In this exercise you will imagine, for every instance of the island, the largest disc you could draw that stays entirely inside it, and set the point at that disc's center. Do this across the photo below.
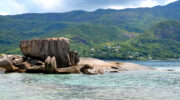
(53, 56)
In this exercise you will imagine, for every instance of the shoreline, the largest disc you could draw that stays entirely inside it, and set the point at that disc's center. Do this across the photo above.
(137, 60)
(90, 66)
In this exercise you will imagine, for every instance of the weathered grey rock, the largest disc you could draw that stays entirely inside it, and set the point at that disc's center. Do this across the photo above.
(50, 65)
(90, 70)
(74, 57)
(85, 68)
(17, 60)
(93, 71)
(58, 47)
(25, 65)
(35, 62)
(32, 66)
(94, 66)
(7, 64)
(35, 69)
(68, 70)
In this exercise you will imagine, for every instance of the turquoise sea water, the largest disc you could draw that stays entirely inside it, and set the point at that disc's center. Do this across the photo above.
(132, 85)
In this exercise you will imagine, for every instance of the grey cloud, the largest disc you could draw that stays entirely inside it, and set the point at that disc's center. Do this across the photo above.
(95, 4)
(31, 6)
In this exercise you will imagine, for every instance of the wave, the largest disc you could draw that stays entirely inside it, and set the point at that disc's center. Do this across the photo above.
(169, 68)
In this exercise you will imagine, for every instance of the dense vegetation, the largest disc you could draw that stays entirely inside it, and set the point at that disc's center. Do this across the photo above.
(142, 33)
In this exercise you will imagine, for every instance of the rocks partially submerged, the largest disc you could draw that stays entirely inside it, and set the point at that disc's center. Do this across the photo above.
(53, 56)
(96, 66)
(89, 66)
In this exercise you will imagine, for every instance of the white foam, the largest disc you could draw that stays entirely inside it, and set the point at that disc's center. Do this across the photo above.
(169, 68)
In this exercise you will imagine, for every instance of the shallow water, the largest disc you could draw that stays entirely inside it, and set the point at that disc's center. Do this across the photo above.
(132, 85)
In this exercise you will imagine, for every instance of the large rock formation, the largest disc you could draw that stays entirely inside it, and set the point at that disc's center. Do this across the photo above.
(53, 56)
(53, 47)
(91, 66)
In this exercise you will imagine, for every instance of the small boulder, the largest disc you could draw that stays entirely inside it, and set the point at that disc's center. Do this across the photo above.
(94, 71)
(7, 64)
(25, 65)
(35, 69)
(17, 60)
(50, 65)
(28, 67)
(85, 67)
(35, 62)
(74, 57)
(68, 70)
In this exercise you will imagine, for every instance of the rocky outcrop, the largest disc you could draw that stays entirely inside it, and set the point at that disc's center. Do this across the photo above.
(53, 47)
(95, 66)
(90, 66)
(53, 56)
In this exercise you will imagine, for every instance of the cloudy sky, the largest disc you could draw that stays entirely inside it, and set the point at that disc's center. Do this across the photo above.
(11, 7)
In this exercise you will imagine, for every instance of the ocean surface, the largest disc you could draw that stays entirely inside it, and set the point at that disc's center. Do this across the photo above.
(132, 85)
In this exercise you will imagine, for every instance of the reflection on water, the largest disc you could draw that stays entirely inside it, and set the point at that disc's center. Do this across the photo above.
(135, 85)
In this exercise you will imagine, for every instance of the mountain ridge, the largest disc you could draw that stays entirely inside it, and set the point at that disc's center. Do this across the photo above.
(106, 34)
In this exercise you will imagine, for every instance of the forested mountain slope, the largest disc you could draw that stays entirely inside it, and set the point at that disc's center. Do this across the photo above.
(140, 33)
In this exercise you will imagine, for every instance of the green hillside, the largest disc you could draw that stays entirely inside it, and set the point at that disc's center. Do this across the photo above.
(141, 33)
(160, 42)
